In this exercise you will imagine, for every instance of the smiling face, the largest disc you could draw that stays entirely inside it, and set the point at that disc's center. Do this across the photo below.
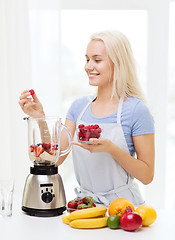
(99, 66)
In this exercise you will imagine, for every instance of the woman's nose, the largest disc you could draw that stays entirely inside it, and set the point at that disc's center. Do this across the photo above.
(89, 65)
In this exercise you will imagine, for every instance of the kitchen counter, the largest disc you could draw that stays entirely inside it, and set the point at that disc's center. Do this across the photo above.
(22, 226)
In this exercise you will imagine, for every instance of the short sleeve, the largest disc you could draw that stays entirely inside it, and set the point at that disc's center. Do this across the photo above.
(76, 108)
(142, 120)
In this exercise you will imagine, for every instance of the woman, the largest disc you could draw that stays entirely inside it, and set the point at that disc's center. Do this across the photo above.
(106, 169)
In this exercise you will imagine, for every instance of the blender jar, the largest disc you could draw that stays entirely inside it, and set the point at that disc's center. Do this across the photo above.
(44, 138)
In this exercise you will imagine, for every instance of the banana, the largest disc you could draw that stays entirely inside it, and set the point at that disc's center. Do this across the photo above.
(87, 213)
(89, 223)
(66, 220)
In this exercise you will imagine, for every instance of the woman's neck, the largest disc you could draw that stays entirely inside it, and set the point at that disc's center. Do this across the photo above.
(104, 95)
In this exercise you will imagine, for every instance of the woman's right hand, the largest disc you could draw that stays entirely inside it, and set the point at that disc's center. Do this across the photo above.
(31, 104)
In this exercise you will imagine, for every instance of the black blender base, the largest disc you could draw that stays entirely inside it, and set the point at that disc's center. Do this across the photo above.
(44, 212)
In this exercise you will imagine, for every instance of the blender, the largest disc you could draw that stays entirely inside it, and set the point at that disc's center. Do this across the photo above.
(44, 193)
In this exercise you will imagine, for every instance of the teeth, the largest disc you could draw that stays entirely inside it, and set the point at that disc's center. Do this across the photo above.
(92, 75)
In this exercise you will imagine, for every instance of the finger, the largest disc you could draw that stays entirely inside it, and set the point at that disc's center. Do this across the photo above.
(75, 143)
(28, 105)
(27, 90)
(35, 98)
(79, 144)
(24, 101)
(25, 95)
(85, 146)
(95, 141)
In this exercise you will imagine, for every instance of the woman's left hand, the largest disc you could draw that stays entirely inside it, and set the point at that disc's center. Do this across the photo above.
(98, 145)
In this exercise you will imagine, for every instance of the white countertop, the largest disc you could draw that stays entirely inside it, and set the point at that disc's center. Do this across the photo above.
(22, 226)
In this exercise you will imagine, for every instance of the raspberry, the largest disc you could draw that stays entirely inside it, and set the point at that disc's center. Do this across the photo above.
(89, 131)
(32, 91)
(81, 126)
(87, 134)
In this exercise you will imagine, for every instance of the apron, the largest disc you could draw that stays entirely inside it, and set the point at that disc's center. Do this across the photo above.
(99, 175)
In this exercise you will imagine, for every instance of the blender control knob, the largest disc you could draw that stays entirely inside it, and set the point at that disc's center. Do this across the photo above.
(47, 197)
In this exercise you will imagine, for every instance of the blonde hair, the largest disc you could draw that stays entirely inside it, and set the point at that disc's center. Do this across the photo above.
(125, 80)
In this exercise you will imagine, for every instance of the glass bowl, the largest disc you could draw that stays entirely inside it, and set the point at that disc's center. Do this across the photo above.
(72, 209)
(84, 133)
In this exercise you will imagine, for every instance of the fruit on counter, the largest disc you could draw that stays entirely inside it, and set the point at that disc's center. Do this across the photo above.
(147, 213)
(97, 222)
(72, 204)
(82, 206)
(89, 131)
(119, 205)
(66, 220)
(88, 213)
(80, 203)
(87, 218)
(130, 220)
(32, 92)
(113, 221)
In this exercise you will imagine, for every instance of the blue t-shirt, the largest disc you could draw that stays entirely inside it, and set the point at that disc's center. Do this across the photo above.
(136, 118)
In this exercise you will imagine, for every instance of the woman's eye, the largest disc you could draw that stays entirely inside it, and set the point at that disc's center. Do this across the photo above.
(97, 60)
(87, 60)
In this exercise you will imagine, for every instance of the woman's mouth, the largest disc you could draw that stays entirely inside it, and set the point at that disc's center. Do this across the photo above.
(93, 75)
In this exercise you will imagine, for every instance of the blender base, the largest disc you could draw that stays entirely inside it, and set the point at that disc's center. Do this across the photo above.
(44, 212)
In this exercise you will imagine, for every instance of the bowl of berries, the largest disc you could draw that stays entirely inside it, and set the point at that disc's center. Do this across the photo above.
(84, 133)
(80, 203)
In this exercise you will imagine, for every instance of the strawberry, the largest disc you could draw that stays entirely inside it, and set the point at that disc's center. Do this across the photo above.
(87, 200)
(82, 206)
(72, 204)
(31, 148)
(52, 150)
(93, 204)
(38, 151)
(77, 199)
(32, 91)
(80, 202)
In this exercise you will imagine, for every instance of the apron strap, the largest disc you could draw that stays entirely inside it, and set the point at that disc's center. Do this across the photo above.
(100, 197)
(119, 111)
(84, 109)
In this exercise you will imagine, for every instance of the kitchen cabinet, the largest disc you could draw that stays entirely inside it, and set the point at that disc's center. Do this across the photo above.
(21, 226)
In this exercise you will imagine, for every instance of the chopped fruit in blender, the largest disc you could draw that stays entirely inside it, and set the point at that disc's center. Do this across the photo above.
(32, 92)
(89, 131)
(38, 151)
(52, 151)
(31, 148)
(45, 145)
